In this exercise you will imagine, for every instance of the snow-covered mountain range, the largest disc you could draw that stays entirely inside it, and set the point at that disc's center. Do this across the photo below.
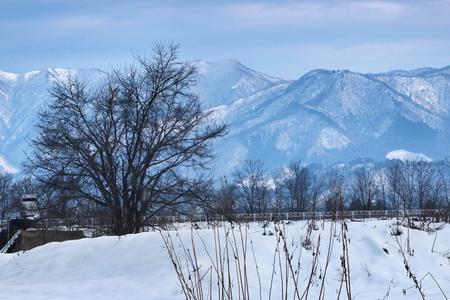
(22, 97)
(324, 116)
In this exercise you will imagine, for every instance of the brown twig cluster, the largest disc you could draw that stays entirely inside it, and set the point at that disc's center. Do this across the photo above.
(417, 282)
(232, 265)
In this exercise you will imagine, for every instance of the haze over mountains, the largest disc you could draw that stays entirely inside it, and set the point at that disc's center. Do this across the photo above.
(324, 116)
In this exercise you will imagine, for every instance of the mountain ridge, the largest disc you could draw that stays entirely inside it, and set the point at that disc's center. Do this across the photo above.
(323, 116)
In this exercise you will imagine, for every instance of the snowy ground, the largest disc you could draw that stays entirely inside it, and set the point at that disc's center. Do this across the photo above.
(138, 267)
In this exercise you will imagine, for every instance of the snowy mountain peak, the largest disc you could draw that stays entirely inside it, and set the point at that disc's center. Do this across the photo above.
(325, 116)
(31, 74)
(8, 77)
(226, 81)
(338, 115)
(425, 71)
(405, 155)
(230, 66)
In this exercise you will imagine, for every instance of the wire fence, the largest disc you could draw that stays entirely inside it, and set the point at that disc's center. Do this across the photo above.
(297, 216)
(105, 224)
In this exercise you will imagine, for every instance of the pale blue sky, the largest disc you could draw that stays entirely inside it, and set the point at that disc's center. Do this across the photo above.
(282, 38)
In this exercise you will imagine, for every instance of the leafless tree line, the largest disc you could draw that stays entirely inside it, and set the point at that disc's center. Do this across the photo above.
(252, 188)
(298, 188)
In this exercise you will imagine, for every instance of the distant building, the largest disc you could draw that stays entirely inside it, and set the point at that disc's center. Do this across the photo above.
(30, 207)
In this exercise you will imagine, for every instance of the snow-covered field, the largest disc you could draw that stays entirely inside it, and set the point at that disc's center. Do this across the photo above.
(138, 267)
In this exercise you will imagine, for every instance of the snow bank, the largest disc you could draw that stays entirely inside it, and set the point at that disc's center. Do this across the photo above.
(137, 266)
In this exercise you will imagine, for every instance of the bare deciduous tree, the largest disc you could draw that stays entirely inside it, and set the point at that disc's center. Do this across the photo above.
(5, 196)
(252, 181)
(382, 186)
(130, 144)
(443, 184)
(334, 201)
(226, 203)
(363, 189)
(298, 185)
(394, 175)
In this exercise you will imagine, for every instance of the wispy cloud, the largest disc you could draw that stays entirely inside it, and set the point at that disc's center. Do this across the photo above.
(284, 37)
(260, 13)
(80, 22)
(367, 57)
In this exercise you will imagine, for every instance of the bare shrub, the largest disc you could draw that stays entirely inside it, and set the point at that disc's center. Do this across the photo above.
(232, 264)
